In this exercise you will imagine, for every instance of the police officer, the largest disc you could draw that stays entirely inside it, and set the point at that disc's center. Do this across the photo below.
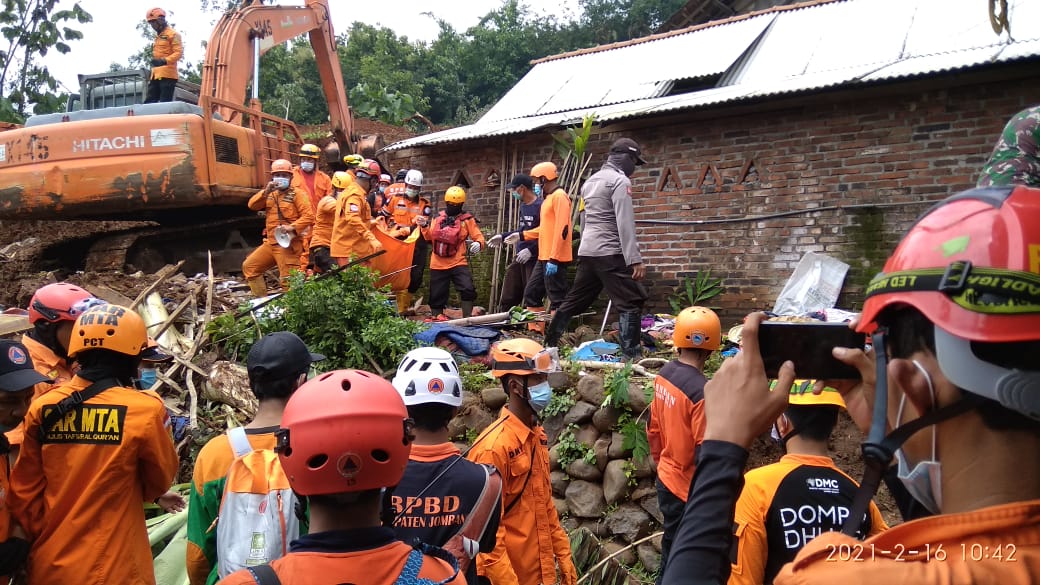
(1016, 157)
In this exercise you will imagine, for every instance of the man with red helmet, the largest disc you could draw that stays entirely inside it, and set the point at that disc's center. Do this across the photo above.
(167, 51)
(530, 545)
(950, 391)
(352, 235)
(344, 443)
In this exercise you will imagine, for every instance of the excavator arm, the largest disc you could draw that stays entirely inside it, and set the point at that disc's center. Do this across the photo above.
(242, 35)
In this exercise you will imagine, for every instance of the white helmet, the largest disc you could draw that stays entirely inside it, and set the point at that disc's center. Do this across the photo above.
(414, 177)
(427, 375)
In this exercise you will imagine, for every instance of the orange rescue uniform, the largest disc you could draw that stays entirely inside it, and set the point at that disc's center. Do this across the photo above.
(168, 46)
(351, 227)
(290, 207)
(47, 363)
(324, 219)
(78, 491)
(403, 210)
(554, 229)
(676, 424)
(316, 185)
(468, 231)
(998, 544)
(529, 539)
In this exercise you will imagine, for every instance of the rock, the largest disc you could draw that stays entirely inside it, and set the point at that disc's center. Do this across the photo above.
(629, 521)
(554, 457)
(651, 506)
(580, 413)
(643, 489)
(617, 449)
(494, 397)
(470, 417)
(656, 541)
(469, 400)
(644, 467)
(553, 426)
(601, 448)
(605, 419)
(626, 558)
(559, 481)
(581, 470)
(615, 482)
(590, 389)
(561, 506)
(636, 397)
(597, 527)
(586, 434)
(461, 446)
(570, 523)
(649, 556)
(585, 500)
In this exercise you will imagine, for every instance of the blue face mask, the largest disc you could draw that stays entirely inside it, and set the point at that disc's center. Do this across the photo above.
(540, 394)
(537, 190)
(516, 195)
(281, 182)
(146, 378)
(307, 166)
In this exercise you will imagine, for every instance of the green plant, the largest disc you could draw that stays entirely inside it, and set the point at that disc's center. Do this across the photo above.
(615, 384)
(471, 435)
(713, 363)
(630, 473)
(559, 404)
(695, 291)
(475, 376)
(569, 449)
(633, 433)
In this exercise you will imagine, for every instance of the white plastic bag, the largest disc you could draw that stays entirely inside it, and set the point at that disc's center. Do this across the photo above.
(814, 285)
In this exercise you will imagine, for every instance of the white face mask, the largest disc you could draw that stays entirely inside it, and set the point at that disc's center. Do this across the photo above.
(924, 482)
(307, 166)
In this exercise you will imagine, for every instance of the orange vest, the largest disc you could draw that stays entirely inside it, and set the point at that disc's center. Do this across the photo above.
(676, 425)
(554, 228)
(468, 230)
(351, 227)
(324, 219)
(167, 45)
(322, 185)
(403, 210)
(289, 207)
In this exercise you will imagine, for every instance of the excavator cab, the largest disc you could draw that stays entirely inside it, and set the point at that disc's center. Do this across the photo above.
(123, 88)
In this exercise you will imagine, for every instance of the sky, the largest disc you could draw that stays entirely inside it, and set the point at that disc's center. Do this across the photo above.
(113, 36)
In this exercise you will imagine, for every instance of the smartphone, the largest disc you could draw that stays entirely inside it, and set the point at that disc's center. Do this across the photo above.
(809, 346)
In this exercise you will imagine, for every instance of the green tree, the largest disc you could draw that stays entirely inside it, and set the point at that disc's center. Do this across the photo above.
(32, 28)
(611, 21)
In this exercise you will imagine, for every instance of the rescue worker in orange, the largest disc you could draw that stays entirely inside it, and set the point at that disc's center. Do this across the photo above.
(530, 545)
(410, 211)
(167, 51)
(17, 380)
(308, 178)
(449, 233)
(357, 424)
(324, 219)
(786, 504)
(377, 196)
(94, 450)
(284, 207)
(955, 328)
(676, 425)
(352, 235)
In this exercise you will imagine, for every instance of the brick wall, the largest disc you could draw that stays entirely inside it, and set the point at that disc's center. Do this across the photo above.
(881, 155)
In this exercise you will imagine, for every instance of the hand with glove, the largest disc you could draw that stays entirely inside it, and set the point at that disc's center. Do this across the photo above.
(512, 238)
(523, 256)
(158, 62)
(494, 241)
(551, 268)
(474, 247)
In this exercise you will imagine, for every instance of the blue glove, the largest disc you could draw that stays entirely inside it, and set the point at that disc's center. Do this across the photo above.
(551, 268)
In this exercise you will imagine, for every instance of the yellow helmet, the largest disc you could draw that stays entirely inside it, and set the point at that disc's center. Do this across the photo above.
(340, 179)
(110, 327)
(310, 151)
(802, 395)
(456, 195)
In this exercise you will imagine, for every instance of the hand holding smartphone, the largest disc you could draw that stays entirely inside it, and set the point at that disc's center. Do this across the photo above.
(809, 346)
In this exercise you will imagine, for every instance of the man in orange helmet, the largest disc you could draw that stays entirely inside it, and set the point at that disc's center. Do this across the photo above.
(308, 178)
(166, 52)
(448, 234)
(950, 390)
(352, 235)
(530, 545)
(288, 210)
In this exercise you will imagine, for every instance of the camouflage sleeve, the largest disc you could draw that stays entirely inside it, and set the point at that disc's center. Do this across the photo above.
(1015, 159)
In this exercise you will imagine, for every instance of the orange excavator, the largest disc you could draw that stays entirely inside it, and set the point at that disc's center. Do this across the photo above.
(187, 169)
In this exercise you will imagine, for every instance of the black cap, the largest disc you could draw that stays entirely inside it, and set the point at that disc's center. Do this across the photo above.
(154, 353)
(401, 174)
(279, 355)
(521, 179)
(629, 146)
(16, 368)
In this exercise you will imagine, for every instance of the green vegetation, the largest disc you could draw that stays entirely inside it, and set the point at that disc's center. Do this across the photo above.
(695, 291)
(560, 403)
(475, 376)
(569, 449)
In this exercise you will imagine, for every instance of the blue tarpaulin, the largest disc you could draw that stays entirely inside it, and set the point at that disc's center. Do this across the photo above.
(471, 340)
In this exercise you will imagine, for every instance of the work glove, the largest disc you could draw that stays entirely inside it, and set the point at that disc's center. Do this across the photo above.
(13, 553)
(551, 268)
(474, 247)
(523, 256)
(158, 62)
(512, 238)
(495, 241)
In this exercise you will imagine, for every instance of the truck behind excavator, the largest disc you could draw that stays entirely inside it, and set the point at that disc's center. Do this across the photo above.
(186, 167)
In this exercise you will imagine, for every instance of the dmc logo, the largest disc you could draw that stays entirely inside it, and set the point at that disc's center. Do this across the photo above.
(436, 386)
(17, 356)
(816, 482)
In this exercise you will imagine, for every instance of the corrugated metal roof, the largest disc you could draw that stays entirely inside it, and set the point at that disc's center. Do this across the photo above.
(808, 48)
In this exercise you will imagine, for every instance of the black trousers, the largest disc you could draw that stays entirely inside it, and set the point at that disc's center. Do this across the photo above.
(516, 280)
(419, 257)
(160, 90)
(672, 511)
(541, 283)
(596, 273)
(440, 280)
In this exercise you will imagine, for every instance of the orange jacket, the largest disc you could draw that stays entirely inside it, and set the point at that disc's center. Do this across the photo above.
(324, 219)
(47, 363)
(370, 566)
(403, 210)
(322, 185)
(289, 207)
(469, 230)
(998, 544)
(351, 229)
(167, 46)
(6, 516)
(676, 424)
(779, 510)
(530, 540)
(554, 229)
(78, 492)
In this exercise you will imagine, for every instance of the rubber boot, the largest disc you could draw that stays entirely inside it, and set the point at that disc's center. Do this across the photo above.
(467, 309)
(257, 286)
(629, 334)
(557, 327)
(404, 302)
(536, 326)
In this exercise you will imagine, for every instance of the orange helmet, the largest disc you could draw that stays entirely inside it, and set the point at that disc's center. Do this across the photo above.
(310, 151)
(340, 179)
(110, 327)
(155, 14)
(697, 327)
(368, 169)
(455, 195)
(281, 166)
(522, 357)
(344, 431)
(546, 170)
(60, 301)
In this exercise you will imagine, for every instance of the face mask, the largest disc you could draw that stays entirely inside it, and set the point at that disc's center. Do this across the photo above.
(146, 378)
(537, 190)
(307, 166)
(281, 182)
(516, 195)
(540, 395)
(412, 193)
(382, 189)
(924, 482)
(453, 208)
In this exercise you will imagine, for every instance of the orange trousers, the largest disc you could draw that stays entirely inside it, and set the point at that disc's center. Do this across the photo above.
(268, 255)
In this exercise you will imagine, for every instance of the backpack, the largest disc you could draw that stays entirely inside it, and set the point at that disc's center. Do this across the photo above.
(465, 544)
(257, 518)
(447, 235)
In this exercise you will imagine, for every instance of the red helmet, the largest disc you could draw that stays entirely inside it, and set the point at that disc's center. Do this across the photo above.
(155, 14)
(60, 301)
(368, 169)
(344, 431)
